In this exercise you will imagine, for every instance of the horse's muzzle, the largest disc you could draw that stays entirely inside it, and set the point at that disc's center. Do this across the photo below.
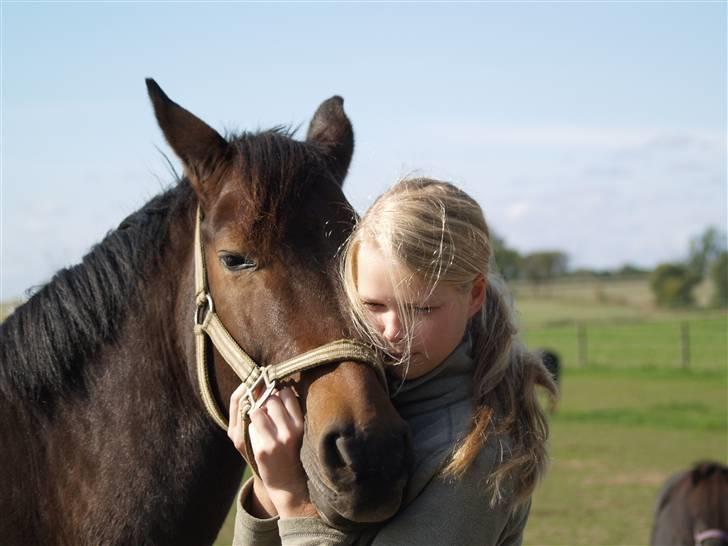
(358, 476)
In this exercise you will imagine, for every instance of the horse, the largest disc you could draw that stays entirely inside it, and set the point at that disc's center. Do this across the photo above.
(692, 508)
(552, 363)
(104, 435)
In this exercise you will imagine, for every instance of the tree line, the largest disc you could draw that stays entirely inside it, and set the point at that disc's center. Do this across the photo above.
(673, 284)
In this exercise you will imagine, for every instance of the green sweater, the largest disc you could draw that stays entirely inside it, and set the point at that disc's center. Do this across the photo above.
(434, 511)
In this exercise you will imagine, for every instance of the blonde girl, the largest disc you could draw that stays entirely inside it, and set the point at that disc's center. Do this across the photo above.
(417, 274)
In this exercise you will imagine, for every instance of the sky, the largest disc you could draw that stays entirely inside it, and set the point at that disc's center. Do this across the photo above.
(594, 128)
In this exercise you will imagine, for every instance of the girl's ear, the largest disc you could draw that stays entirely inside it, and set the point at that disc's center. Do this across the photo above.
(477, 295)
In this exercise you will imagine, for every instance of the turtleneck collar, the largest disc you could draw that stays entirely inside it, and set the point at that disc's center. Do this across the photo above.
(449, 383)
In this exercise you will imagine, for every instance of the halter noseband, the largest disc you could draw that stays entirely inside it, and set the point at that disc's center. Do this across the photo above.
(707, 534)
(208, 324)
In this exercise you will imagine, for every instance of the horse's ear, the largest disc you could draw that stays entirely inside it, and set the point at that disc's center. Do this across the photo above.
(197, 144)
(331, 130)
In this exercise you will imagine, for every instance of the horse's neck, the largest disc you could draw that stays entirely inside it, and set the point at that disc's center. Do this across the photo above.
(135, 445)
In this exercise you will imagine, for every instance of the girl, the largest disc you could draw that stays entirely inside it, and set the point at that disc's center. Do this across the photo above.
(416, 273)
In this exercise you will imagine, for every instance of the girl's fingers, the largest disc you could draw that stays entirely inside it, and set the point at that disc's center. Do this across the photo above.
(234, 424)
(278, 413)
(293, 407)
(262, 425)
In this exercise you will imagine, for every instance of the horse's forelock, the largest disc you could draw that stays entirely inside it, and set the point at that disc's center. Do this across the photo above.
(275, 173)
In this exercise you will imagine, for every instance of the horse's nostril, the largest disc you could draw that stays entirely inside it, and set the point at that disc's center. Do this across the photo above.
(366, 454)
(344, 446)
(331, 453)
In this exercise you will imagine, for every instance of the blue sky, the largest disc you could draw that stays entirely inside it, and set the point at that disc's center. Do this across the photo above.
(594, 128)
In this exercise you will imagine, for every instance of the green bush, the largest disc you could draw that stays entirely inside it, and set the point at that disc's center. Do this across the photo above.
(719, 276)
(673, 284)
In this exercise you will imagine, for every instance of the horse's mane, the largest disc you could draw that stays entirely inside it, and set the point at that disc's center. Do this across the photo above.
(45, 341)
(705, 470)
(82, 306)
(701, 471)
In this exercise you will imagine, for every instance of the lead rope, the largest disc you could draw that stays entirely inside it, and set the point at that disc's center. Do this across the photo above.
(208, 324)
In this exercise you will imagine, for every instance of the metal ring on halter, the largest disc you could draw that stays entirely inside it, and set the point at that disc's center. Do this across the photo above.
(207, 306)
(270, 385)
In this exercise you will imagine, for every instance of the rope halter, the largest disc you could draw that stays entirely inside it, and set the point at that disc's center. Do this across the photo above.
(207, 324)
(708, 534)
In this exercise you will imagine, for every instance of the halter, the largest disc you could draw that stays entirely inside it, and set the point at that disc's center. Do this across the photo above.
(208, 324)
(711, 533)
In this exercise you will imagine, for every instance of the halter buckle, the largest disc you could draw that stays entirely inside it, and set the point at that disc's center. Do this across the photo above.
(203, 308)
(270, 385)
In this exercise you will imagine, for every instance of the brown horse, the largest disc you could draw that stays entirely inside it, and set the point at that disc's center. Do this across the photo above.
(104, 438)
(692, 508)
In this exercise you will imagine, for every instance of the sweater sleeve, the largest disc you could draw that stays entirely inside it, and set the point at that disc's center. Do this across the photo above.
(251, 530)
(311, 532)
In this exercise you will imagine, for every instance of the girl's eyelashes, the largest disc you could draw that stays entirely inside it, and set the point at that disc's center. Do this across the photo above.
(420, 309)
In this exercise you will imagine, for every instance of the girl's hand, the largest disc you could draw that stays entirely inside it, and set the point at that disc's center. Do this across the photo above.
(276, 432)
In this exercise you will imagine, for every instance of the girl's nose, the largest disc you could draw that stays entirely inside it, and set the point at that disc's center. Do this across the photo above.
(392, 327)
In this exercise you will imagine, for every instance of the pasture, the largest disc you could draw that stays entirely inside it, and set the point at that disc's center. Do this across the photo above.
(630, 413)
(618, 434)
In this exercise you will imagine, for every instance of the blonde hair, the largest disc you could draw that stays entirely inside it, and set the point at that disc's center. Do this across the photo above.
(438, 233)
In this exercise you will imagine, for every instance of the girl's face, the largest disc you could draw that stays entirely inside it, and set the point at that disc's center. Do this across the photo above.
(440, 317)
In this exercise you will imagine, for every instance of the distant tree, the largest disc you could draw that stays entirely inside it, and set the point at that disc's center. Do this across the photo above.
(673, 284)
(705, 249)
(630, 270)
(541, 266)
(507, 260)
(719, 276)
(582, 272)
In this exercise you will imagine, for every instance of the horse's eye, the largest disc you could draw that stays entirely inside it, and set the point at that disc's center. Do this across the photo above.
(236, 262)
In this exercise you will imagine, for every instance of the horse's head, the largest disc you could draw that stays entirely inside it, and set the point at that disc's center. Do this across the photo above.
(274, 219)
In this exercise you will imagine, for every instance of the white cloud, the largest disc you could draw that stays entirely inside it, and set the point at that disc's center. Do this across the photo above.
(517, 210)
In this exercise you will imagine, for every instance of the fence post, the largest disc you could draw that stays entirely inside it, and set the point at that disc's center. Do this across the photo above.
(685, 343)
(581, 343)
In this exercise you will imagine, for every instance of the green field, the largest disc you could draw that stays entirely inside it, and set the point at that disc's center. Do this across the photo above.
(618, 434)
(615, 324)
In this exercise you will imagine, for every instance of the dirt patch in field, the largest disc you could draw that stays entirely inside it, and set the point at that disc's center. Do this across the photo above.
(649, 478)
(578, 464)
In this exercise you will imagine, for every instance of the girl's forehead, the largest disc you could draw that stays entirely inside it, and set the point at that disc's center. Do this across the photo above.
(379, 271)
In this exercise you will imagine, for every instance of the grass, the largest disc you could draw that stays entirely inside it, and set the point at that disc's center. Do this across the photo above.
(655, 343)
(616, 324)
(617, 436)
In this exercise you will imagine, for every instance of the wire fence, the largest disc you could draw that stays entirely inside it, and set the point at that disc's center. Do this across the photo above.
(696, 343)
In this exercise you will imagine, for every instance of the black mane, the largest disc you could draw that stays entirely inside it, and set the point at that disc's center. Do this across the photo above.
(43, 342)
